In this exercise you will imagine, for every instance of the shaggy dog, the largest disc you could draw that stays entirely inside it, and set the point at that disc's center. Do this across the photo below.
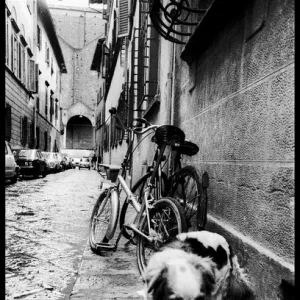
(196, 266)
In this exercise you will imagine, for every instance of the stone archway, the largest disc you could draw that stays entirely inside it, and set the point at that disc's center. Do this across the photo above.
(79, 133)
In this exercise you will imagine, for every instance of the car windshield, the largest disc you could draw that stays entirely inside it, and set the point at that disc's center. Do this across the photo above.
(24, 153)
(84, 159)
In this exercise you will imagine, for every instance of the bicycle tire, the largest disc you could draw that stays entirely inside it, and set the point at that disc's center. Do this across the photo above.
(128, 213)
(167, 219)
(187, 189)
(104, 218)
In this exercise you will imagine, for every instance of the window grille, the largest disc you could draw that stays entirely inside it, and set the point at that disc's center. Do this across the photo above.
(176, 19)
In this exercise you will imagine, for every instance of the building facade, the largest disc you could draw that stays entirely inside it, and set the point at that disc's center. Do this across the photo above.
(34, 64)
(222, 71)
(79, 30)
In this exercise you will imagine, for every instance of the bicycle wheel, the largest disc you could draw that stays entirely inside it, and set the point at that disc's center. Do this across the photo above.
(104, 219)
(166, 220)
(128, 213)
(187, 190)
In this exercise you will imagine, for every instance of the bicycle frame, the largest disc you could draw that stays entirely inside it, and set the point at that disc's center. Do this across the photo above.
(120, 184)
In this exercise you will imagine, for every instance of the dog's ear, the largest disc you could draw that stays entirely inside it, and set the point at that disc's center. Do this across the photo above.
(157, 285)
(208, 281)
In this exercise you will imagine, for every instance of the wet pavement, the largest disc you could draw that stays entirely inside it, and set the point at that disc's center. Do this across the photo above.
(47, 251)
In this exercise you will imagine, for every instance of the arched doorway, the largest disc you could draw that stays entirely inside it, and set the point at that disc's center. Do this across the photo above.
(79, 133)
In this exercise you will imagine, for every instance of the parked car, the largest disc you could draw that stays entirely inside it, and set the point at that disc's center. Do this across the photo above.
(31, 162)
(53, 161)
(85, 163)
(11, 167)
(75, 162)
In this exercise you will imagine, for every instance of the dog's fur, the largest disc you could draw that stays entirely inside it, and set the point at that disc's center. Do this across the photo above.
(196, 266)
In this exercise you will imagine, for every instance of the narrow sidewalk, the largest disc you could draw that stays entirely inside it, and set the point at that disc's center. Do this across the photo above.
(113, 275)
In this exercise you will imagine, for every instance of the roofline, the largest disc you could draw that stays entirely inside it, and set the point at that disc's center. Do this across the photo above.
(46, 19)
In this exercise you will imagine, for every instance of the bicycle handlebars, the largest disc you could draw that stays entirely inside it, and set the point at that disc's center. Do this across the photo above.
(136, 130)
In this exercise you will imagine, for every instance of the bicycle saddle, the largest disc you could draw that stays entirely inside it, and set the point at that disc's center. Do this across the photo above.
(168, 134)
(188, 148)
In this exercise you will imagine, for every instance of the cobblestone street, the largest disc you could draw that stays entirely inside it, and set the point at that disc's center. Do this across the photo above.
(47, 249)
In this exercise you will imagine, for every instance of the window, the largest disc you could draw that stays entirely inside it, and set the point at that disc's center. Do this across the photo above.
(105, 61)
(23, 71)
(39, 38)
(46, 101)
(123, 18)
(47, 54)
(36, 78)
(37, 104)
(51, 109)
(30, 135)
(7, 122)
(7, 37)
(24, 131)
(15, 54)
(32, 76)
(45, 141)
(56, 111)
(37, 137)
(52, 70)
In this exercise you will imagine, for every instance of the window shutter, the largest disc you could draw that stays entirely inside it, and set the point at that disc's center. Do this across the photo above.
(32, 83)
(7, 39)
(36, 78)
(123, 20)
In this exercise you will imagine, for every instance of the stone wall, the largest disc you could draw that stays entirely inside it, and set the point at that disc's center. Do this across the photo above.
(237, 103)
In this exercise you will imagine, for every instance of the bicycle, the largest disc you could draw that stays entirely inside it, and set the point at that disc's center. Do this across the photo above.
(183, 184)
(157, 218)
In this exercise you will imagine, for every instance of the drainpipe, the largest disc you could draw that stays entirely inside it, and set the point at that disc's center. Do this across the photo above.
(172, 86)
(171, 92)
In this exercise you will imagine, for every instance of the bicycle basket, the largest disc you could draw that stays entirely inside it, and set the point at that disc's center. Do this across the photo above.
(168, 134)
(188, 148)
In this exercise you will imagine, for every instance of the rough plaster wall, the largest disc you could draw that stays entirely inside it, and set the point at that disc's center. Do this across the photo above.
(237, 103)
(145, 151)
